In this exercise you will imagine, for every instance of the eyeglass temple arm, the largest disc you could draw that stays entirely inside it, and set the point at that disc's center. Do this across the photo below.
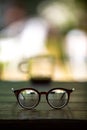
(64, 93)
(12, 89)
(15, 93)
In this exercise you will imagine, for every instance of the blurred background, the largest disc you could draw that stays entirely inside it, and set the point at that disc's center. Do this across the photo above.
(59, 29)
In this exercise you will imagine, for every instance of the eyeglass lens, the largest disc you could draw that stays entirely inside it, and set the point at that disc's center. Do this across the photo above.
(57, 98)
(28, 98)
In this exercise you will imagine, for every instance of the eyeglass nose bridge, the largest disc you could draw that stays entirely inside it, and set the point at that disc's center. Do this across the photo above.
(43, 93)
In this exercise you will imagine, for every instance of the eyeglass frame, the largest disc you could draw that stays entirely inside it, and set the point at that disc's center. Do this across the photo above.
(18, 91)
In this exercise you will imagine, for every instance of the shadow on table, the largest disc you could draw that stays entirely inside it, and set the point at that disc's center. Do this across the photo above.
(41, 113)
(38, 119)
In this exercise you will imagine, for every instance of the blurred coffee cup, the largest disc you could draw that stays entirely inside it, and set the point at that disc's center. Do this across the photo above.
(39, 68)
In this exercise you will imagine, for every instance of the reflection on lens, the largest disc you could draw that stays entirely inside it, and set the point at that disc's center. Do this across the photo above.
(58, 98)
(28, 98)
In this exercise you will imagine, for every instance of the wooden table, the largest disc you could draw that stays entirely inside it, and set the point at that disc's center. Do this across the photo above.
(74, 114)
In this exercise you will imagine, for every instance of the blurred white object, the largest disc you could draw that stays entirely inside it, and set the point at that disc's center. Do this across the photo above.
(30, 33)
(76, 49)
(25, 40)
(57, 13)
(33, 36)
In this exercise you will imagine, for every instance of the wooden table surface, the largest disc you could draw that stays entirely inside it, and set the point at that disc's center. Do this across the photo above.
(75, 110)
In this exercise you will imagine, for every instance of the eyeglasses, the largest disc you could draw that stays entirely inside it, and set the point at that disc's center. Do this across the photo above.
(29, 98)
